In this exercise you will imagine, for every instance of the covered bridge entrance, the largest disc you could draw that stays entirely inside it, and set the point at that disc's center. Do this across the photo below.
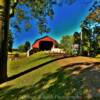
(44, 43)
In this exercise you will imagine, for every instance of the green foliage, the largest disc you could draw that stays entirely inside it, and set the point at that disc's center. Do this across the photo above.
(86, 39)
(39, 10)
(97, 33)
(85, 48)
(21, 48)
(76, 37)
(76, 41)
(86, 36)
(91, 29)
(86, 32)
(66, 43)
(94, 12)
(24, 47)
(98, 40)
(27, 45)
(13, 4)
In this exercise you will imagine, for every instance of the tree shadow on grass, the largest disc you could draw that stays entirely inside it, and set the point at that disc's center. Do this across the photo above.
(32, 69)
(63, 84)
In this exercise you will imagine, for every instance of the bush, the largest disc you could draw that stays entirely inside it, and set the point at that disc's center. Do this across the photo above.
(21, 48)
(16, 55)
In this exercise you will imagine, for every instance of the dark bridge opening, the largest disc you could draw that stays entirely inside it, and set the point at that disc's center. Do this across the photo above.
(45, 45)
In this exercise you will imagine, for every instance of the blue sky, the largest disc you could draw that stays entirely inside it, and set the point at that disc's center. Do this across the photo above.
(66, 21)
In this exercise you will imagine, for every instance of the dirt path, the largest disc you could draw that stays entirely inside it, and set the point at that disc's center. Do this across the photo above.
(79, 59)
(87, 69)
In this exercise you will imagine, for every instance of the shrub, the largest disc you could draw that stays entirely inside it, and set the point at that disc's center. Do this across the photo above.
(16, 55)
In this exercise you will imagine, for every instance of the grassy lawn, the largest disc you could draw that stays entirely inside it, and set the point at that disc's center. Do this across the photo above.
(14, 54)
(20, 65)
(98, 56)
(73, 78)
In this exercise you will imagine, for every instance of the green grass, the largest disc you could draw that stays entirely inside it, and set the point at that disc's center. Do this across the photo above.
(19, 55)
(50, 82)
(98, 56)
(20, 65)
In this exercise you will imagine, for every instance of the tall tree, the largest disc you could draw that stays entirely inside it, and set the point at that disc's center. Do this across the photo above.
(4, 23)
(86, 41)
(27, 45)
(66, 43)
(4, 26)
(90, 29)
(97, 34)
(76, 37)
(77, 41)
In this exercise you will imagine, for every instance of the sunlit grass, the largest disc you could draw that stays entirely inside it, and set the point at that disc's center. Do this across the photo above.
(20, 65)
(52, 81)
(98, 56)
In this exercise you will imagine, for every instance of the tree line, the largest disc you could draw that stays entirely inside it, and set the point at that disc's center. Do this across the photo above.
(88, 40)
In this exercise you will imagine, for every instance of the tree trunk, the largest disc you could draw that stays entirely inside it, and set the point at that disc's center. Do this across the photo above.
(4, 25)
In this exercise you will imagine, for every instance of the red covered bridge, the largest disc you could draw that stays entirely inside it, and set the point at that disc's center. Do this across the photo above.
(45, 43)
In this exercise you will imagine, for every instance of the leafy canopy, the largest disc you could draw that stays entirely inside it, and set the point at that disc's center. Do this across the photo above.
(38, 10)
